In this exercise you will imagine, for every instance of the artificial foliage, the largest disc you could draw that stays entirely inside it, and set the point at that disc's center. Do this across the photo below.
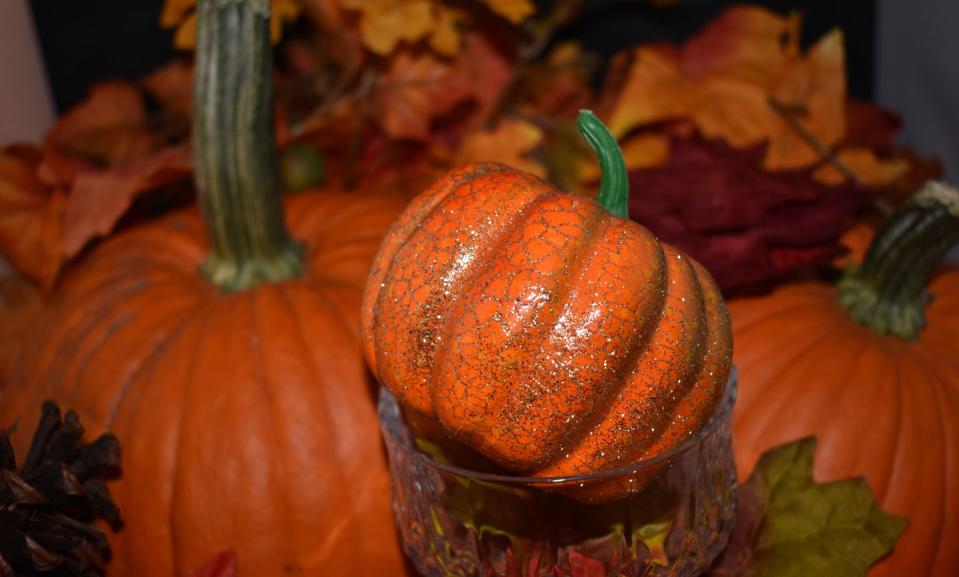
(868, 365)
(788, 524)
(49, 502)
(376, 100)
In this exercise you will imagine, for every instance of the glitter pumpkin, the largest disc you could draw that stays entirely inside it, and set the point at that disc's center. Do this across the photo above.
(544, 329)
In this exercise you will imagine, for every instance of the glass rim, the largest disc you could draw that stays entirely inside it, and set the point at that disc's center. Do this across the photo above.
(410, 450)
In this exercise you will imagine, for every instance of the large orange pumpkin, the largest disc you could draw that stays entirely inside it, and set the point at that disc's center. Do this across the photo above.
(239, 395)
(543, 331)
(882, 405)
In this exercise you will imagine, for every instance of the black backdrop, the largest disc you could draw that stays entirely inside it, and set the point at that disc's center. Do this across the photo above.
(91, 40)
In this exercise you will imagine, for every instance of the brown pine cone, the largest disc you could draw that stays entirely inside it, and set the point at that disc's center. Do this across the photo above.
(48, 505)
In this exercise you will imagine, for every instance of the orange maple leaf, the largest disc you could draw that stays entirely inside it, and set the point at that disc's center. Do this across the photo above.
(509, 143)
(106, 129)
(813, 89)
(97, 158)
(172, 86)
(415, 90)
(31, 235)
(728, 78)
(384, 24)
(867, 167)
(513, 10)
(746, 43)
(98, 199)
(445, 38)
(180, 14)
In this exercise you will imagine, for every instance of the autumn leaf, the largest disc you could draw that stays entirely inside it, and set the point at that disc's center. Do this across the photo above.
(557, 88)
(788, 524)
(734, 80)
(415, 90)
(509, 143)
(813, 89)
(487, 70)
(745, 224)
(513, 10)
(172, 86)
(223, 564)
(180, 14)
(31, 235)
(870, 126)
(866, 166)
(654, 90)
(738, 113)
(445, 38)
(384, 24)
(99, 199)
(95, 160)
(107, 129)
(748, 44)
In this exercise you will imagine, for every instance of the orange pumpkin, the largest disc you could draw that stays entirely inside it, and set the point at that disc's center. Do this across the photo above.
(885, 406)
(540, 329)
(239, 395)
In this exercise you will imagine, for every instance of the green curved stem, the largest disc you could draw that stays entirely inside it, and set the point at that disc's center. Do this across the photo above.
(887, 291)
(235, 156)
(614, 182)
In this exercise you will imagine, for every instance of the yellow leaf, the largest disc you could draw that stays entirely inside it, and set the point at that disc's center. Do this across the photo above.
(174, 11)
(185, 37)
(565, 54)
(507, 144)
(181, 14)
(445, 39)
(513, 10)
(281, 11)
(867, 167)
(386, 23)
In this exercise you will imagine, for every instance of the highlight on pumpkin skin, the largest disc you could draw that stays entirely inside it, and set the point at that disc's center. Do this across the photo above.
(539, 328)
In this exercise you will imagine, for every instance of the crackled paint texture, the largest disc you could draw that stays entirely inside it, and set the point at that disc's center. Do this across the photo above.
(547, 334)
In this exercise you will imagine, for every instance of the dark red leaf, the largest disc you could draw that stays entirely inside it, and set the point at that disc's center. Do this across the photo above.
(870, 126)
(745, 224)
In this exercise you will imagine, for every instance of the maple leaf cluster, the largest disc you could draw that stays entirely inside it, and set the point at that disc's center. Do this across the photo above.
(745, 151)
(55, 198)
(393, 94)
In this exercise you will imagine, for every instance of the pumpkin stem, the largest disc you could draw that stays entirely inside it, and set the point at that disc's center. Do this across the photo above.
(237, 177)
(614, 182)
(887, 291)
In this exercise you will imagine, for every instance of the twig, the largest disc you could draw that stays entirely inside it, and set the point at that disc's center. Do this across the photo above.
(828, 154)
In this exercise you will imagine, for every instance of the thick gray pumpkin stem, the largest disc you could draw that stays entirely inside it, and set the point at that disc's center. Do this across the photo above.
(887, 291)
(235, 156)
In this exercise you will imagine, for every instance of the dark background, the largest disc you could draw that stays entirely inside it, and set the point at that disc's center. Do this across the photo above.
(86, 41)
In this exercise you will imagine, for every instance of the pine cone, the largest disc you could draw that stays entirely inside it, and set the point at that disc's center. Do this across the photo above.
(47, 506)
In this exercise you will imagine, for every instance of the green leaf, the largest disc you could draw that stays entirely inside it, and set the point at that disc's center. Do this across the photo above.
(807, 528)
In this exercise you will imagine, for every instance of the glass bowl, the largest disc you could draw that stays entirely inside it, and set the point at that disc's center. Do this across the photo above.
(454, 522)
